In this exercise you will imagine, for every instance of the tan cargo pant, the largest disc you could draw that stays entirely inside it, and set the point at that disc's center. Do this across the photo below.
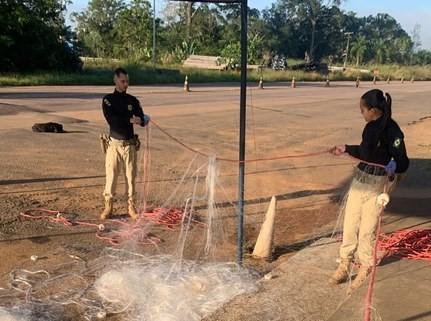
(361, 218)
(120, 155)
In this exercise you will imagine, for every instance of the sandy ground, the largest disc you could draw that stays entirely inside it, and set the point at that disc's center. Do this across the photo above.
(66, 171)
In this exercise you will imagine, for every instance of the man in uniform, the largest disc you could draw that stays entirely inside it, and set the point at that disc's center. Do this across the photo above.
(121, 111)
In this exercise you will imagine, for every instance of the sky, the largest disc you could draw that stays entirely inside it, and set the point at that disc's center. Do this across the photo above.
(407, 12)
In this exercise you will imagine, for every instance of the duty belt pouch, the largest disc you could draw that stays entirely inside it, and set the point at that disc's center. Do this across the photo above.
(104, 142)
(137, 142)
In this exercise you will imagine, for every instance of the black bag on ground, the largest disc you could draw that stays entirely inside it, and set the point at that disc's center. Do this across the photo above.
(47, 128)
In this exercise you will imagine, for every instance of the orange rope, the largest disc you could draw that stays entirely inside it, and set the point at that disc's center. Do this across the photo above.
(194, 150)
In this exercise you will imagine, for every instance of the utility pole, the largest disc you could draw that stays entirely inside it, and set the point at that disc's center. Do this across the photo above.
(348, 34)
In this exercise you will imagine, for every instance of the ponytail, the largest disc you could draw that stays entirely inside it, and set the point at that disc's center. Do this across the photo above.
(388, 106)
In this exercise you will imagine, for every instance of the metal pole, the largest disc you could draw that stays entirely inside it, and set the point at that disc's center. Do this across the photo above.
(243, 96)
(154, 32)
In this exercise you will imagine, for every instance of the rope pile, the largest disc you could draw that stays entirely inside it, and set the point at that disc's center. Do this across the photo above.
(117, 231)
(167, 217)
(408, 244)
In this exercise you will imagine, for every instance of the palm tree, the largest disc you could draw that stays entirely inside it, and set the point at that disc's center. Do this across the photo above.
(358, 49)
(380, 50)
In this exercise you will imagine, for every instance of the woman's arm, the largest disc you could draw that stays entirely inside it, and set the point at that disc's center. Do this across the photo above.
(398, 152)
(367, 146)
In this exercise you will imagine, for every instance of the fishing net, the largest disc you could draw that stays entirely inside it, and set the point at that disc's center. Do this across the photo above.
(174, 262)
(171, 264)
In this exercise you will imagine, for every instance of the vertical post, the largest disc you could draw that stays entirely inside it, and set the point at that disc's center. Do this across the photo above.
(347, 48)
(154, 32)
(243, 96)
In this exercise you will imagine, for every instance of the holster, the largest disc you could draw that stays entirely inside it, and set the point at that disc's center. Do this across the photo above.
(104, 142)
(137, 142)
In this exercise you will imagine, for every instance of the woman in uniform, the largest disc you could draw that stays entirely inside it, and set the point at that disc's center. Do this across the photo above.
(382, 155)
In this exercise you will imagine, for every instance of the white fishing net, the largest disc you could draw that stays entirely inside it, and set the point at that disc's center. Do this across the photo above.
(189, 281)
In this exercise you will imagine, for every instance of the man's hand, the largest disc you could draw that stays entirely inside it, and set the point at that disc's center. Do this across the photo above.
(338, 150)
(136, 120)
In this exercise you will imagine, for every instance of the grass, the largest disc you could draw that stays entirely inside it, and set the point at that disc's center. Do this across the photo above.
(100, 73)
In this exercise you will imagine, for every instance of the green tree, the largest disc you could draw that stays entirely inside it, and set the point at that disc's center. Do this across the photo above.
(422, 57)
(312, 11)
(403, 48)
(231, 55)
(134, 31)
(380, 50)
(304, 25)
(33, 35)
(95, 26)
(358, 49)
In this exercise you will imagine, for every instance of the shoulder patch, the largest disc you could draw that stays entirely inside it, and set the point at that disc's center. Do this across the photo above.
(130, 107)
(397, 142)
(106, 102)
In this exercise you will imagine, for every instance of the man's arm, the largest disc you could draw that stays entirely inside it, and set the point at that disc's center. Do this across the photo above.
(139, 112)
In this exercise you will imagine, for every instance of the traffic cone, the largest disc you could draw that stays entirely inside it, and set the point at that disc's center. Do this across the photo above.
(374, 80)
(358, 81)
(327, 83)
(388, 81)
(293, 84)
(186, 84)
(261, 83)
(264, 243)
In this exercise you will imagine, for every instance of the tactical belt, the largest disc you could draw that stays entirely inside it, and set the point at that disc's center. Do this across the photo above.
(105, 141)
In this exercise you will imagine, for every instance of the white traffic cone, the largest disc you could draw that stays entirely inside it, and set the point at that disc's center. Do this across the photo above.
(186, 84)
(264, 243)
(261, 83)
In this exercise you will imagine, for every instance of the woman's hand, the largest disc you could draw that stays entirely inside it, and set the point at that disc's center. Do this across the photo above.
(338, 150)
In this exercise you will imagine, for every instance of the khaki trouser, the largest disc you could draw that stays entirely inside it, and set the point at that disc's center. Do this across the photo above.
(361, 218)
(120, 154)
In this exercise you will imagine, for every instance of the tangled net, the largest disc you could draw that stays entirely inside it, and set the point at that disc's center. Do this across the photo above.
(136, 286)
(117, 232)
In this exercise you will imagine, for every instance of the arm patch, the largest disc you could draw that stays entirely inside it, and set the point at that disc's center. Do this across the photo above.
(397, 143)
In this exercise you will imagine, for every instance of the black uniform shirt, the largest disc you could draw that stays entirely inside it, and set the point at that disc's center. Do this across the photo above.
(380, 147)
(118, 109)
